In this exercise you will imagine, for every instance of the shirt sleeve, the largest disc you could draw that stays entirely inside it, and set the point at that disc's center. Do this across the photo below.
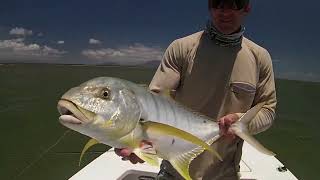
(265, 92)
(168, 74)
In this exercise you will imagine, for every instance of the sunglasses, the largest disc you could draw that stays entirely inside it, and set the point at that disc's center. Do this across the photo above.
(232, 4)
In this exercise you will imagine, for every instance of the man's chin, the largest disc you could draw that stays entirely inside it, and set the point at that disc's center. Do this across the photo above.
(225, 27)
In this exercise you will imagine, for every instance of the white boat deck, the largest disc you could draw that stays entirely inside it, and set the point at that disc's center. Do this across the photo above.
(253, 165)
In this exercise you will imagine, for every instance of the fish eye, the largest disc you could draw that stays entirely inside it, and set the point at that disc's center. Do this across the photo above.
(105, 93)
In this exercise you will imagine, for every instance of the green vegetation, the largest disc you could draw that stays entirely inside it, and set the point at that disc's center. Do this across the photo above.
(29, 94)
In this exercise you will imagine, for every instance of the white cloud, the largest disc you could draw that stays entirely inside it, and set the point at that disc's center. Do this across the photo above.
(30, 47)
(60, 42)
(20, 32)
(13, 43)
(18, 48)
(40, 34)
(94, 41)
(48, 51)
(135, 54)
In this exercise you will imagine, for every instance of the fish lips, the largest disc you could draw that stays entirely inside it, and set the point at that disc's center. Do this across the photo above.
(69, 119)
(70, 113)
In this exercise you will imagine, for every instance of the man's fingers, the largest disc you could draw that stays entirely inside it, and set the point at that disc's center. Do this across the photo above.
(127, 154)
(123, 152)
(134, 159)
(230, 134)
(117, 151)
(140, 160)
(221, 121)
(222, 126)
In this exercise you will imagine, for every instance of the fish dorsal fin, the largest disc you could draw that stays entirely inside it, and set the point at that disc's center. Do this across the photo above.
(164, 129)
(89, 144)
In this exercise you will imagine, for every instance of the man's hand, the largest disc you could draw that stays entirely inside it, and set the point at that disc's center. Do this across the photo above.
(127, 154)
(224, 124)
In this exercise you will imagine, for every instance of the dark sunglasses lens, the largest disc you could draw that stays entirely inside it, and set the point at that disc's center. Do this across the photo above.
(241, 3)
(215, 3)
(236, 4)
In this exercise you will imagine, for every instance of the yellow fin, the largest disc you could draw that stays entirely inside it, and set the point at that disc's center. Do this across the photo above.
(90, 143)
(182, 166)
(166, 93)
(182, 162)
(254, 143)
(149, 157)
(165, 129)
(107, 123)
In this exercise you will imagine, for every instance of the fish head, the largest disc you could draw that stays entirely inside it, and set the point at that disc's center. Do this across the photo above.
(102, 108)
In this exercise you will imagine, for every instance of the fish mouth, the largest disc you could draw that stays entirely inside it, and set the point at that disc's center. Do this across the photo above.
(70, 113)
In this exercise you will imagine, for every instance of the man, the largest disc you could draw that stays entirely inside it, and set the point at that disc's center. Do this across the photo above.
(221, 74)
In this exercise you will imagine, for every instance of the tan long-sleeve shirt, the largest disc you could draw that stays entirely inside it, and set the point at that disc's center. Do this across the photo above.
(217, 81)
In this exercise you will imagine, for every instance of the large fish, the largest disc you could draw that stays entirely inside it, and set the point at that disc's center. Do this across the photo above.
(123, 114)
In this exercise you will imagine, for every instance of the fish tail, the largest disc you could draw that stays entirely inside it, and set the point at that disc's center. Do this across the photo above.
(240, 128)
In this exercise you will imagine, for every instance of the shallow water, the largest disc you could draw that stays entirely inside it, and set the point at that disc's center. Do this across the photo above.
(30, 130)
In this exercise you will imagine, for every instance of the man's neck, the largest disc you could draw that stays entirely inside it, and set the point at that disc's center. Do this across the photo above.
(221, 39)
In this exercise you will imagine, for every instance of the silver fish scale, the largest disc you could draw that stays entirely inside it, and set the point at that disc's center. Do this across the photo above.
(164, 110)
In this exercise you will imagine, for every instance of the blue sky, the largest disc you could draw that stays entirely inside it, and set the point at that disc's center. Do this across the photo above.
(130, 32)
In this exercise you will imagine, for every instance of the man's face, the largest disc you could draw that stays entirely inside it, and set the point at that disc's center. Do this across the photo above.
(226, 18)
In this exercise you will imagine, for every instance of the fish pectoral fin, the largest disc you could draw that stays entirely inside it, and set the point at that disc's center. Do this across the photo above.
(147, 153)
(89, 144)
(164, 129)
